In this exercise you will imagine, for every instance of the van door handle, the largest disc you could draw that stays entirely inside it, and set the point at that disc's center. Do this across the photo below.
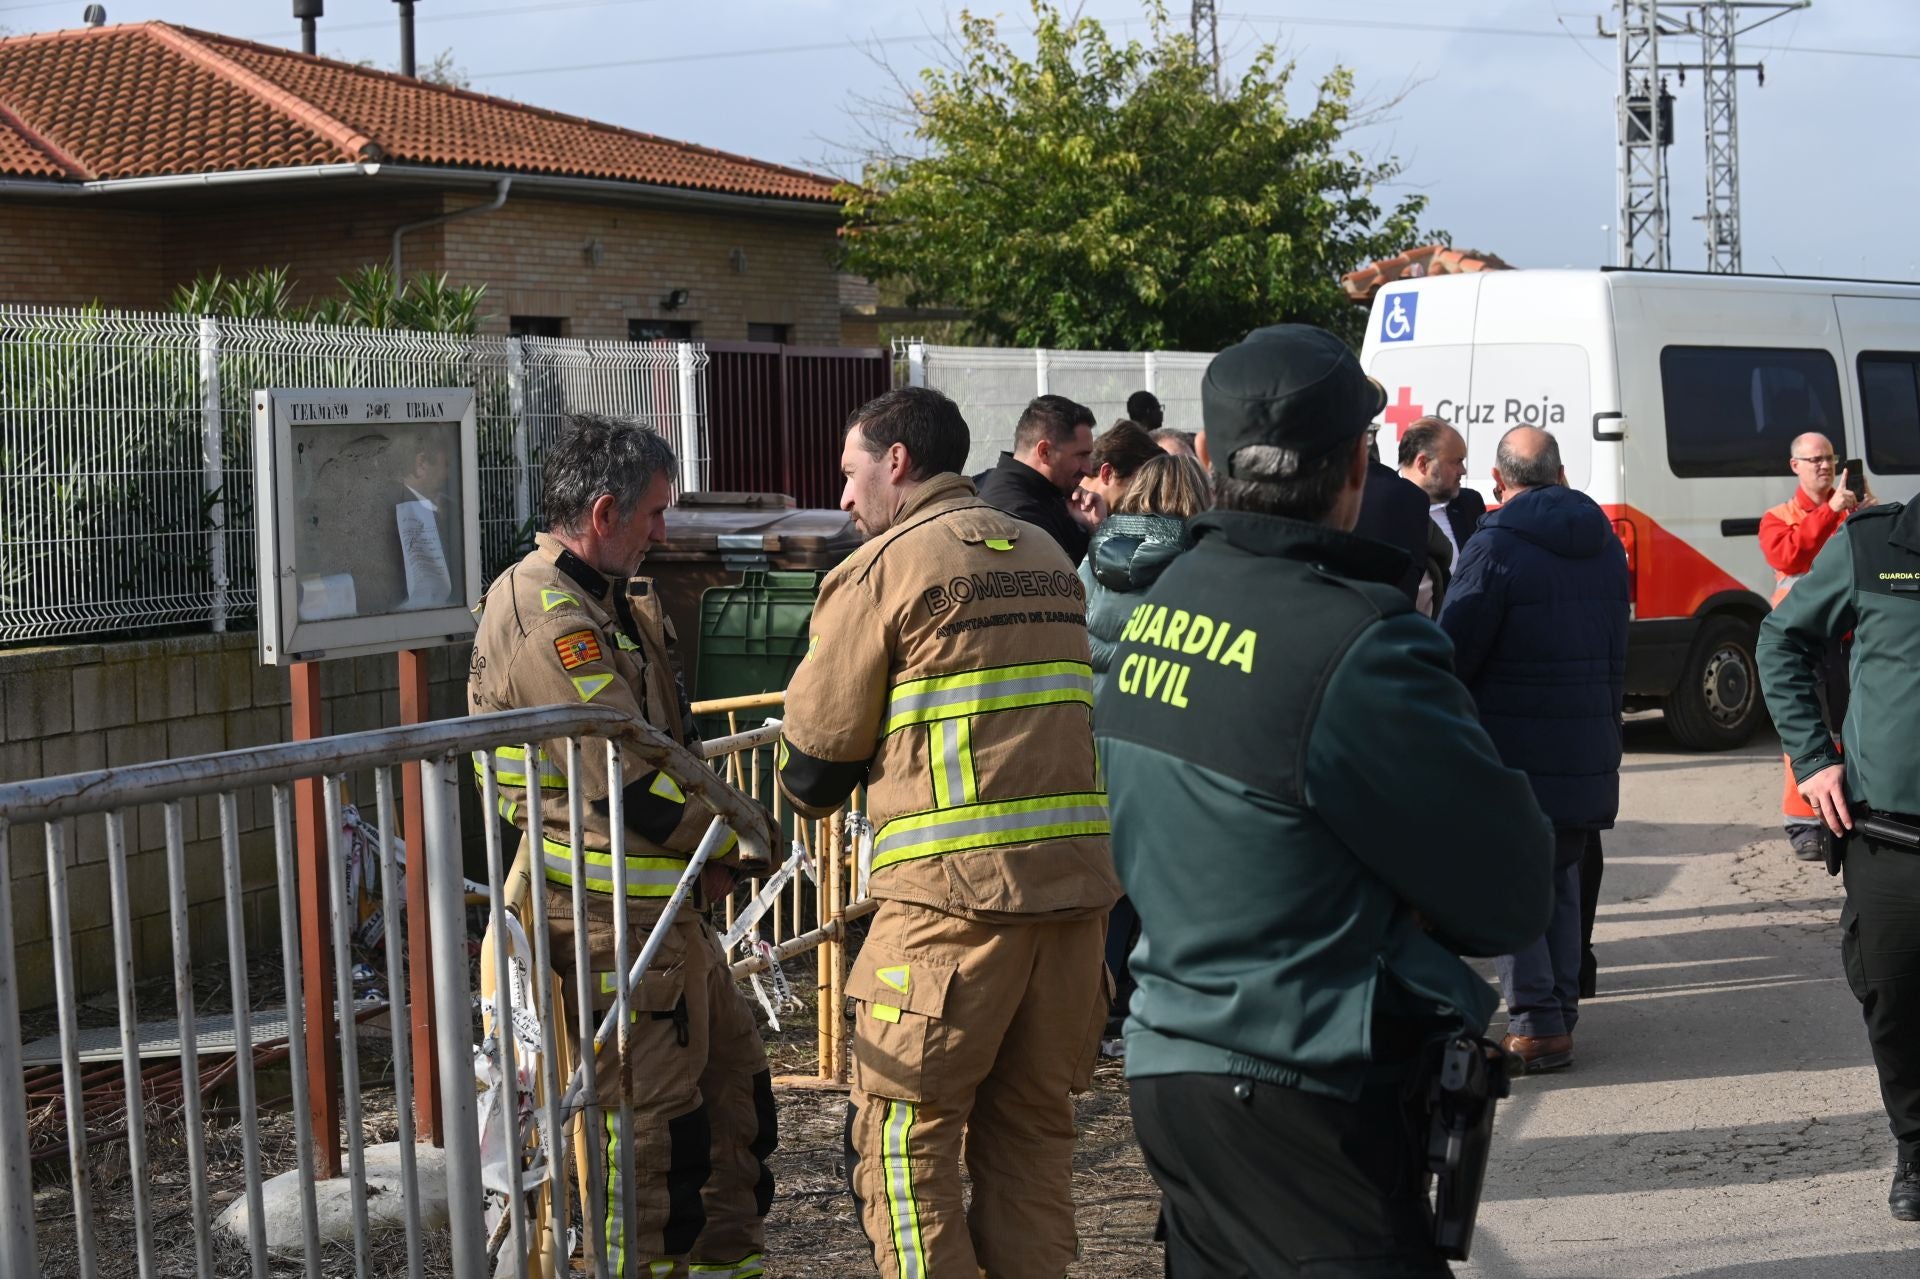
(1740, 528)
(1614, 435)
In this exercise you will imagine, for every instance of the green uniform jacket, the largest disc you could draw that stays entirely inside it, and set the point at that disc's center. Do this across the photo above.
(1865, 580)
(1309, 818)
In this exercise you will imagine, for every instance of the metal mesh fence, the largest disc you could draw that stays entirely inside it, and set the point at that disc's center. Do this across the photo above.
(126, 447)
(993, 385)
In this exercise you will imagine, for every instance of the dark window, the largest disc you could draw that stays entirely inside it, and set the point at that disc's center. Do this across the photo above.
(1890, 403)
(659, 330)
(766, 333)
(536, 326)
(1735, 410)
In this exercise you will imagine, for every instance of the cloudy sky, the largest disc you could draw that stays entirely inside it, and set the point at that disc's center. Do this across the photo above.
(1505, 119)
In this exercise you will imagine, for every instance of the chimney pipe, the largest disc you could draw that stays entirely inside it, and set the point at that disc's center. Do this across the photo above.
(406, 38)
(308, 11)
(95, 15)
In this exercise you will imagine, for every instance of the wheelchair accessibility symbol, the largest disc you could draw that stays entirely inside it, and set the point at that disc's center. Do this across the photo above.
(1396, 322)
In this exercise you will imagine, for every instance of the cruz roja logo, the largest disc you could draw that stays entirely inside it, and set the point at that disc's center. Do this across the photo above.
(1396, 322)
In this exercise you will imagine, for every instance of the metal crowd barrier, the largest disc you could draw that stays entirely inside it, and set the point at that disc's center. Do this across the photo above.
(531, 1232)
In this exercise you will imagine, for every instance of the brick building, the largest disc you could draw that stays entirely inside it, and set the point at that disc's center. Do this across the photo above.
(134, 158)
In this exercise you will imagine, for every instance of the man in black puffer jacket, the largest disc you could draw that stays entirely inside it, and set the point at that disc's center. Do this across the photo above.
(1538, 617)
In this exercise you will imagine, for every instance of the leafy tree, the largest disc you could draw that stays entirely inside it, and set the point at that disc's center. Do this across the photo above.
(1106, 197)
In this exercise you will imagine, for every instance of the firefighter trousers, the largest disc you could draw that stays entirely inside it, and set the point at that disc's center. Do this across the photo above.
(703, 1112)
(982, 1030)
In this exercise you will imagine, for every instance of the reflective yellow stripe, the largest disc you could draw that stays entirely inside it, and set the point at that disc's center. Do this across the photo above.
(950, 751)
(666, 788)
(510, 768)
(508, 809)
(646, 876)
(616, 1199)
(922, 701)
(751, 1266)
(1018, 821)
(897, 1165)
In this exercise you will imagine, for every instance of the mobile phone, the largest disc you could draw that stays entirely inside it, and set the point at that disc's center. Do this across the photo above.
(1857, 482)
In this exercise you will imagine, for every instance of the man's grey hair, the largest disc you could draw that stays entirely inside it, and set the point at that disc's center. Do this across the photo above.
(598, 455)
(1528, 472)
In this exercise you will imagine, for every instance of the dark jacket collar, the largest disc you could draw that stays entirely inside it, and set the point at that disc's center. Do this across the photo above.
(1019, 473)
(1277, 537)
(589, 579)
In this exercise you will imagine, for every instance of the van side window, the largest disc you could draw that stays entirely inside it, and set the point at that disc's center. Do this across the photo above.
(1890, 403)
(1734, 411)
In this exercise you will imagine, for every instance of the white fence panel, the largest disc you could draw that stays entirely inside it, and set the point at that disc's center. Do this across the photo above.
(126, 447)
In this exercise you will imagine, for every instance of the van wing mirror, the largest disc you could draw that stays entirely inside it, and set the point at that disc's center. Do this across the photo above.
(1613, 433)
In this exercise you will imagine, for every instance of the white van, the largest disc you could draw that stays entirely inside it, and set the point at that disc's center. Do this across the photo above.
(1674, 397)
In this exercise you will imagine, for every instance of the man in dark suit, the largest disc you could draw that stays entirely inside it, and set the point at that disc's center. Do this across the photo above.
(1394, 511)
(1463, 514)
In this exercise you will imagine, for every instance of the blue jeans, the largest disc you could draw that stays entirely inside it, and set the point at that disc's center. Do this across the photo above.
(1542, 981)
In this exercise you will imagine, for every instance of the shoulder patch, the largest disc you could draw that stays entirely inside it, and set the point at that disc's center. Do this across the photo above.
(577, 648)
(590, 686)
(551, 599)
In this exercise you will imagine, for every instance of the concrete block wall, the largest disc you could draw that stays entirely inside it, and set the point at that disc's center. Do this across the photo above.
(75, 708)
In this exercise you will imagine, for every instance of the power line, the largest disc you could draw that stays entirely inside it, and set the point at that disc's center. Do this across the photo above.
(429, 17)
(1532, 33)
(709, 56)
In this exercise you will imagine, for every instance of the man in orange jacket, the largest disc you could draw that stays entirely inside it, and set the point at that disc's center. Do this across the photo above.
(1791, 534)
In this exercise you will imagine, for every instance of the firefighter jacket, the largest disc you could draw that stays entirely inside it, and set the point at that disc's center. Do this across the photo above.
(947, 669)
(555, 631)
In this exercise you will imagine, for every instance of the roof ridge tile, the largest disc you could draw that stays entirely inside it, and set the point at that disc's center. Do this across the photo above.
(44, 144)
(356, 145)
(514, 104)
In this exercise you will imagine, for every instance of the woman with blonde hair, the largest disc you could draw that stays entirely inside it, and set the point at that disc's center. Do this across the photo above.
(1130, 549)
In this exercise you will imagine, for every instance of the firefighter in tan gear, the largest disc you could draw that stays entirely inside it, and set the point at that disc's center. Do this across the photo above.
(948, 671)
(567, 625)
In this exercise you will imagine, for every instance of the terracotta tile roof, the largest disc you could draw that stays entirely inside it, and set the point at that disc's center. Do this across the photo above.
(1428, 259)
(150, 98)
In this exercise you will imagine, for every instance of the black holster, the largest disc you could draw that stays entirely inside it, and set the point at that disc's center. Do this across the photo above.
(1471, 1077)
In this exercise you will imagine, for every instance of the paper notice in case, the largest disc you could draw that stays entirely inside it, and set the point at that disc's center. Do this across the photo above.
(428, 583)
(327, 597)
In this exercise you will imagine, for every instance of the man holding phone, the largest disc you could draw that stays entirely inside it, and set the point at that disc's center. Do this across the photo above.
(1791, 534)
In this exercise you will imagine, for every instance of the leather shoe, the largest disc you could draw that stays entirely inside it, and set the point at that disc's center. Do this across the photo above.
(1540, 1053)
(1904, 1198)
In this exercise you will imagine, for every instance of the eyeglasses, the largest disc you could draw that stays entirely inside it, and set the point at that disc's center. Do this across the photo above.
(1824, 459)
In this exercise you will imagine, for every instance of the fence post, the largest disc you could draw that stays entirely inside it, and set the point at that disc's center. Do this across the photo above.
(693, 462)
(1152, 371)
(18, 1249)
(522, 445)
(1040, 363)
(916, 364)
(447, 910)
(212, 471)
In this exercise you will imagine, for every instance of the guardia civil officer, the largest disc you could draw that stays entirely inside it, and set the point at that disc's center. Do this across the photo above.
(948, 670)
(1866, 580)
(570, 623)
(1314, 828)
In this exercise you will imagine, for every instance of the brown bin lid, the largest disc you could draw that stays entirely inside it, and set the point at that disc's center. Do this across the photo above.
(697, 523)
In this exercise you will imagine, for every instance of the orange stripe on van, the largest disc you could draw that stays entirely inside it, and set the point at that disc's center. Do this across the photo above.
(1672, 578)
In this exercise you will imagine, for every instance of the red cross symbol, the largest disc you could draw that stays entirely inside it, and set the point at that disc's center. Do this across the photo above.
(1403, 412)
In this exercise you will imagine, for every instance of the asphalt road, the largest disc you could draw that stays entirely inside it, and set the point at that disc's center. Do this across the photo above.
(1721, 1119)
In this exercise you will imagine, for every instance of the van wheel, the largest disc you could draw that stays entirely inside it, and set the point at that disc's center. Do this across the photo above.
(1717, 705)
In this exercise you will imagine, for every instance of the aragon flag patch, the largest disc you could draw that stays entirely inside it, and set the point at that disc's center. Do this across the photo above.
(577, 648)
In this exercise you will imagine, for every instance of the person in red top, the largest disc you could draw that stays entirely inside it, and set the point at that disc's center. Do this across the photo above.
(1791, 534)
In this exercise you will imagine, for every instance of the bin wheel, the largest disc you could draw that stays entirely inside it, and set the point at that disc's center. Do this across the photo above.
(1717, 704)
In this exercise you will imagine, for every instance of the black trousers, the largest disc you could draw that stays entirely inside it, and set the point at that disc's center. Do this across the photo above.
(1261, 1181)
(1592, 866)
(1880, 947)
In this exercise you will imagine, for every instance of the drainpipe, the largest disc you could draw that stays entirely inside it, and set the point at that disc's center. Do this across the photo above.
(499, 201)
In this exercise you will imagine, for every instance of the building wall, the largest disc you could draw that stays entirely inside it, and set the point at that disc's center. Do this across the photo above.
(320, 236)
(91, 706)
(66, 254)
(535, 255)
